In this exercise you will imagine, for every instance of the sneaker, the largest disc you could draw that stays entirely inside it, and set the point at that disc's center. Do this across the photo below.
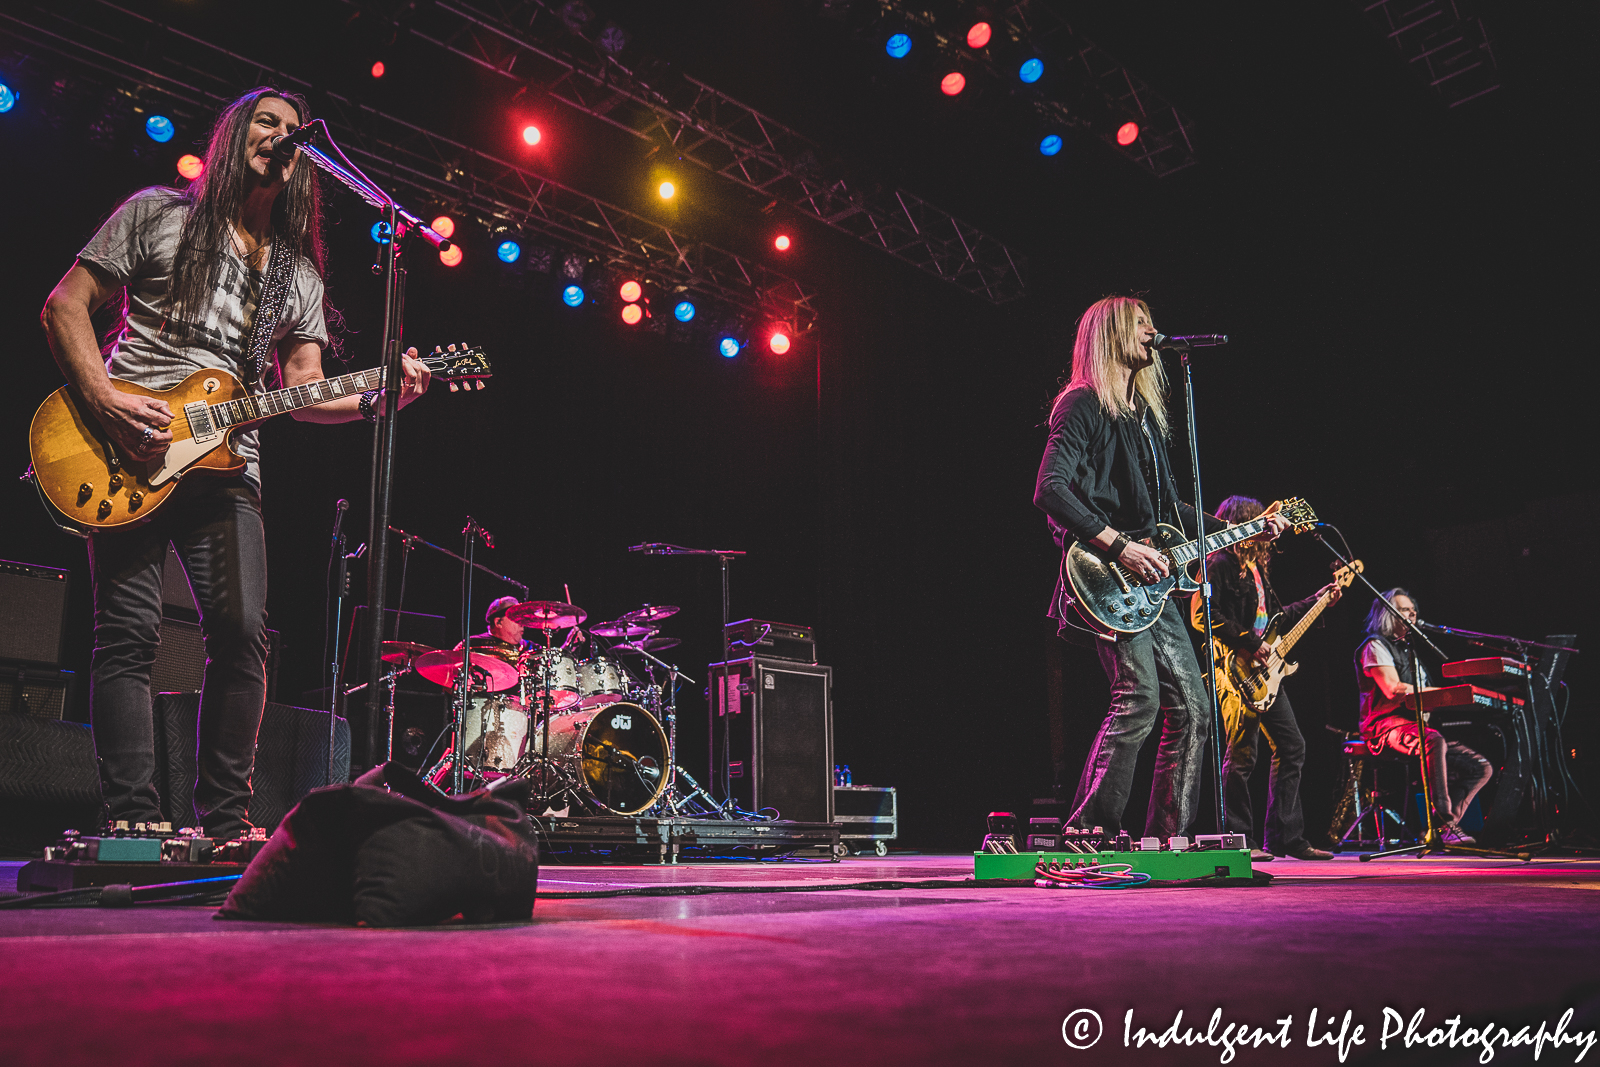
(1258, 855)
(1451, 834)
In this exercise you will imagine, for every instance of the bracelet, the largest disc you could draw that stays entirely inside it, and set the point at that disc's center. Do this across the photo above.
(1114, 551)
(369, 405)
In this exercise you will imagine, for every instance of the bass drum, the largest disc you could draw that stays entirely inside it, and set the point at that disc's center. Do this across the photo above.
(496, 732)
(618, 752)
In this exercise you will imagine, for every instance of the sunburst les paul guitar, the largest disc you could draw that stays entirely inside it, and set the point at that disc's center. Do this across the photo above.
(96, 484)
(1243, 680)
(1113, 599)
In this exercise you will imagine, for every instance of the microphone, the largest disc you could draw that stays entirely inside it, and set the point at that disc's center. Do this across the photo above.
(284, 144)
(651, 548)
(1187, 341)
(338, 516)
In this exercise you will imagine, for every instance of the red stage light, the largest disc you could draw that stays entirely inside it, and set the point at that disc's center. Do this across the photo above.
(191, 167)
(444, 226)
(630, 291)
(781, 243)
(378, 69)
(451, 257)
(953, 83)
(1127, 133)
(632, 313)
(531, 134)
(979, 35)
(778, 342)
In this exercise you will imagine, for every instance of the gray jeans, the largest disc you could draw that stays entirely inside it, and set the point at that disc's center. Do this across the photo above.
(1153, 675)
(215, 526)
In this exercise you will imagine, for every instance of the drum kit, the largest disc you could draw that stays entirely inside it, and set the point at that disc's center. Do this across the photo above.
(594, 736)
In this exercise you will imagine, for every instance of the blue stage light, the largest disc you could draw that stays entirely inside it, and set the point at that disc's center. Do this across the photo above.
(1050, 145)
(684, 311)
(380, 232)
(572, 295)
(159, 127)
(728, 346)
(1032, 70)
(899, 47)
(509, 251)
(8, 98)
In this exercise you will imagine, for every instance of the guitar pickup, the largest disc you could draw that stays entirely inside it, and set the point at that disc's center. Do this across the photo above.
(200, 427)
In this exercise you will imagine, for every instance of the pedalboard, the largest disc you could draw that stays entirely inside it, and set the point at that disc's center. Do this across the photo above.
(138, 854)
(1175, 859)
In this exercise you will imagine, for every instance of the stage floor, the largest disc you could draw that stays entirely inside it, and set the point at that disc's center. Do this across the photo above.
(923, 976)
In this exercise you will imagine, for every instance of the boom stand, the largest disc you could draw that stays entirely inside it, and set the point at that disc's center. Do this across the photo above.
(1430, 842)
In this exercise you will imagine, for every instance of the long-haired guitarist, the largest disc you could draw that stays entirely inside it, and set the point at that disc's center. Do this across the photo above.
(1105, 481)
(1243, 602)
(193, 266)
(1385, 676)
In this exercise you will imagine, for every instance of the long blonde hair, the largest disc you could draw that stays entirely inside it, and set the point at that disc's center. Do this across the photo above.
(1106, 339)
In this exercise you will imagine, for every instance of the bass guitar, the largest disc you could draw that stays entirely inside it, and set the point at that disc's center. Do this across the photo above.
(1113, 600)
(96, 485)
(1254, 683)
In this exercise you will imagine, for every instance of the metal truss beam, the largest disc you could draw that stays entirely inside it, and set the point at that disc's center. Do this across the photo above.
(408, 159)
(1443, 41)
(525, 41)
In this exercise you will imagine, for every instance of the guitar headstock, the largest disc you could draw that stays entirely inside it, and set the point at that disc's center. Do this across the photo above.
(1347, 574)
(1298, 512)
(459, 365)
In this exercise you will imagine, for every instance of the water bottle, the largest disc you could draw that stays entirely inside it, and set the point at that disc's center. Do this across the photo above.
(847, 774)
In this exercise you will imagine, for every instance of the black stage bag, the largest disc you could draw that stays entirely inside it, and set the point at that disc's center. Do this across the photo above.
(360, 854)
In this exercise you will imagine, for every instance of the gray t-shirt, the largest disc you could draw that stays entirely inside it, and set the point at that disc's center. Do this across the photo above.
(135, 248)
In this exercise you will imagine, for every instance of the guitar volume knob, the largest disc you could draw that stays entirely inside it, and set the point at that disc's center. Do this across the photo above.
(105, 507)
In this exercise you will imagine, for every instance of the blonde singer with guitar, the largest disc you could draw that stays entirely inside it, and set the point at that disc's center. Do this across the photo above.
(1243, 602)
(193, 267)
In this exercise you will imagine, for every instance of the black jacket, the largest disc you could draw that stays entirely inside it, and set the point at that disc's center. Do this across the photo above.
(1233, 604)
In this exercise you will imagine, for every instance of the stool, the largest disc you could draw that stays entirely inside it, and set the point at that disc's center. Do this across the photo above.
(1372, 800)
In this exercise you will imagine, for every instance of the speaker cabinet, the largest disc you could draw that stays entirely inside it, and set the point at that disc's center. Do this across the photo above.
(49, 782)
(776, 717)
(42, 692)
(33, 609)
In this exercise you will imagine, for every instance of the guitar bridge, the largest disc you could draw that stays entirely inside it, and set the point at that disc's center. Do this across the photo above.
(200, 427)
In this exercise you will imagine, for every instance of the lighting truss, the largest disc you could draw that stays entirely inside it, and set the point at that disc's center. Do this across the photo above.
(1443, 41)
(408, 159)
(721, 134)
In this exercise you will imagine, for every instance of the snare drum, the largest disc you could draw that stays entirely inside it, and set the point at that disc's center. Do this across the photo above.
(496, 731)
(618, 752)
(601, 680)
(553, 667)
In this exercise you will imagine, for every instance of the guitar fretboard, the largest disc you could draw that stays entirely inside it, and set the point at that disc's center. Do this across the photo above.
(1221, 539)
(279, 401)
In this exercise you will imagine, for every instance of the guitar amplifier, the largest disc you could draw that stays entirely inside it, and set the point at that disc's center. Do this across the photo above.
(774, 640)
(33, 608)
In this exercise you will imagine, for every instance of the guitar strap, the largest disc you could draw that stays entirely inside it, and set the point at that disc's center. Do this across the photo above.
(269, 309)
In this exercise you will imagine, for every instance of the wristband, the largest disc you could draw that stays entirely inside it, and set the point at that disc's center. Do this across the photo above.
(369, 406)
(1114, 551)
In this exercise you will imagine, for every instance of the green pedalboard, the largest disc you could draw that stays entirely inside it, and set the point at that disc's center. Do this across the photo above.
(1160, 866)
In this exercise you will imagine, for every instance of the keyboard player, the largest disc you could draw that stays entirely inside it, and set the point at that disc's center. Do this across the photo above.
(1384, 675)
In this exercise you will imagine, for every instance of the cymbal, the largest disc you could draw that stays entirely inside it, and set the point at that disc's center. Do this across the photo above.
(546, 614)
(653, 644)
(403, 651)
(651, 613)
(442, 667)
(620, 628)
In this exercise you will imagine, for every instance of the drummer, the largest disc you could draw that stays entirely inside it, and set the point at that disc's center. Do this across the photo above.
(504, 637)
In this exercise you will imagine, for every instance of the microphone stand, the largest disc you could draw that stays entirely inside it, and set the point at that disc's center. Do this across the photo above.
(1430, 843)
(402, 224)
(341, 592)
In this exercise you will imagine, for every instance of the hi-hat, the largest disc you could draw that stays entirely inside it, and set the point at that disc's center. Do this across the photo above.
(443, 666)
(403, 651)
(621, 628)
(546, 614)
(650, 613)
(653, 644)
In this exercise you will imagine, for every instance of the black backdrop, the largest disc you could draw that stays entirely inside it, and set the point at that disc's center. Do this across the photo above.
(1396, 278)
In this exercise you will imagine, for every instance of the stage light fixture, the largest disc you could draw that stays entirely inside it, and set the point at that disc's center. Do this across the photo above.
(1032, 70)
(667, 190)
(683, 311)
(572, 295)
(531, 134)
(1051, 145)
(779, 341)
(1127, 133)
(898, 47)
(444, 226)
(451, 257)
(952, 84)
(380, 233)
(509, 251)
(980, 33)
(729, 346)
(378, 69)
(8, 98)
(160, 128)
(191, 167)
(781, 242)
(630, 291)
(632, 313)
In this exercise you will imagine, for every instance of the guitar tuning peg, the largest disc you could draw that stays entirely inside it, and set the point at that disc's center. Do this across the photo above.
(480, 386)
(436, 348)
(455, 388)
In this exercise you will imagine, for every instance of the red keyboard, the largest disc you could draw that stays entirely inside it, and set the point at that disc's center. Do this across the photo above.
(1487, 667)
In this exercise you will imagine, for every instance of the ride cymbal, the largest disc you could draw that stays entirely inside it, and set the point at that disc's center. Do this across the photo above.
(546, 614)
